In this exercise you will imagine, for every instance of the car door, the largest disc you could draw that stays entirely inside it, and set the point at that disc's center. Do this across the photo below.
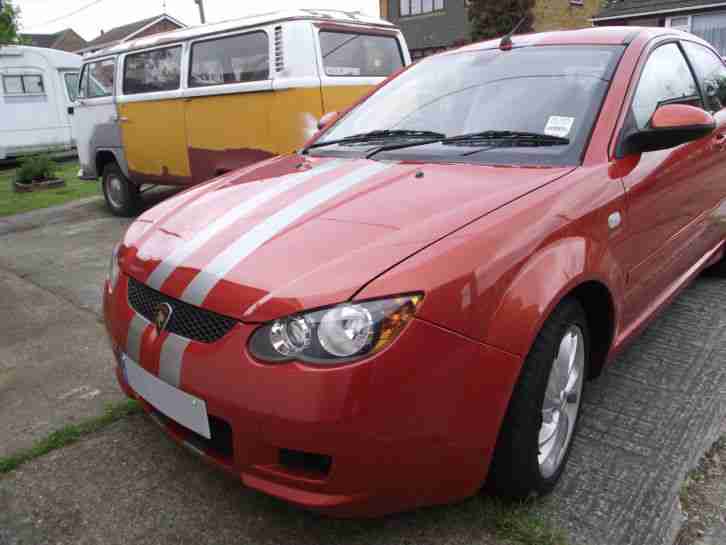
(663, 189)
(151, 111)
(711, 74)
(94, 120)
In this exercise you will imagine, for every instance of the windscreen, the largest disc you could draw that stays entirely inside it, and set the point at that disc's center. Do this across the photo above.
(549, 90)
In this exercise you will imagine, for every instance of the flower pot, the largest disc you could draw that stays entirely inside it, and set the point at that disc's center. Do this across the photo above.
(38, 186)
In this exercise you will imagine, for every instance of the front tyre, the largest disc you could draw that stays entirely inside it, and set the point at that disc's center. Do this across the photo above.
(122, 197)
(535, 438)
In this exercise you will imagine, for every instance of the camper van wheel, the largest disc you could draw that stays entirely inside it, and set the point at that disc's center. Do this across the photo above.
(122, 197)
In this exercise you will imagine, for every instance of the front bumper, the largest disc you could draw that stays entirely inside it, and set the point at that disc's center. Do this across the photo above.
(414, 425)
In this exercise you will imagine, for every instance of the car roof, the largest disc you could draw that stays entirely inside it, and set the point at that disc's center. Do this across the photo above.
(606, 35)
(318, 15)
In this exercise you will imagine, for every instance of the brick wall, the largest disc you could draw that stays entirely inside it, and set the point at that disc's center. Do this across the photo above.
(69, 41)
(161, 26)
(563, 15)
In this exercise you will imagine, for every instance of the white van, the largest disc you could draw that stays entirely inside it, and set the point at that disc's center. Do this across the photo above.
(181, 107)
(37, 90)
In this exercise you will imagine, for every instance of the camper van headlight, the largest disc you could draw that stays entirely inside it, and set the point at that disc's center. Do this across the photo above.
(334, 335)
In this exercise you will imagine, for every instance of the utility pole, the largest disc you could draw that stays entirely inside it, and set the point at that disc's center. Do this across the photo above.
(200, 3)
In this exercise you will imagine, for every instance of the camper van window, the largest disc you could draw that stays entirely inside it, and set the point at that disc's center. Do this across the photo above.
(97, 79)
(23, 85)
(153, 71)
(71, 79)
(349, 54)
(234, 59)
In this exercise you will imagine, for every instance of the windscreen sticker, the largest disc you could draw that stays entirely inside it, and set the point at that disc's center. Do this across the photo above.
(558, 125)
(342, 71)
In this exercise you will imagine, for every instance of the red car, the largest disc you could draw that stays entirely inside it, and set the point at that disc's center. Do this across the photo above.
(409, 307)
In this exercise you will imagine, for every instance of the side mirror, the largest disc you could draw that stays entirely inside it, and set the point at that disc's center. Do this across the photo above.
(326, 119)
(670, 126)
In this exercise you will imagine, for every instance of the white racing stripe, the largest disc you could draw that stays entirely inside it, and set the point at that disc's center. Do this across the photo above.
(133, 339)
(285, 183)
(170, 360)
(220, 266)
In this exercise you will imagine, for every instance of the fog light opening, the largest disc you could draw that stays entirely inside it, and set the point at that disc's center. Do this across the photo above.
(310, 463)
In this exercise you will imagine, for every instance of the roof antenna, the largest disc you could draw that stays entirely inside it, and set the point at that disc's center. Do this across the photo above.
(506, 43)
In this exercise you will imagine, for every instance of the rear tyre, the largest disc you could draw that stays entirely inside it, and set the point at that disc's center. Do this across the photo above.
(535, 438)
(122, 197)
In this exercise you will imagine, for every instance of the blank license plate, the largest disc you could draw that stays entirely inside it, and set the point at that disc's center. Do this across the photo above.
(185, 409)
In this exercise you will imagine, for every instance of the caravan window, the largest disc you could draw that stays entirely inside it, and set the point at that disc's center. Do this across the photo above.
(96, 80)
(26, 84)
(349, 54)
(234, 59)
(71, 79)
(153, 71)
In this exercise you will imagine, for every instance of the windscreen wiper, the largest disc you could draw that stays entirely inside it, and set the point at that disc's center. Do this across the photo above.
(375, 136)
(509, 137)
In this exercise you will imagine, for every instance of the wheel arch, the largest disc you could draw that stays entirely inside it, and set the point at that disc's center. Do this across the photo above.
(570, 267)
(104, 156)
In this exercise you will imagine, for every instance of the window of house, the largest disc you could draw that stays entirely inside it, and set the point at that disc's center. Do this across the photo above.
(711, 73)
(26, 84)
(365, 55)
(417, 7)
(666, 79)
(234, 59)
(97, 79)
(679, 23)
(153, 71)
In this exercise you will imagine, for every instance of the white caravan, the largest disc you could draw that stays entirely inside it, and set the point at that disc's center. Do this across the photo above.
(37, 90)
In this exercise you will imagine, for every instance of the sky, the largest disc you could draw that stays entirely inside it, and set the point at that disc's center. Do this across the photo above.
(92, 16)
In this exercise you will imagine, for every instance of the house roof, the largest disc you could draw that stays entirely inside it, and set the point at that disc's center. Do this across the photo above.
(121, 33)
(47, 40)
(622, 9)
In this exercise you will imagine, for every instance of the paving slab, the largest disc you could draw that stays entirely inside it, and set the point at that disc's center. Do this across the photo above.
(55, 364)
(645, 424)
(130, 484)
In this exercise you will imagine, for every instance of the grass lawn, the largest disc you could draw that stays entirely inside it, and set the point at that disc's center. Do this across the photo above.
(15, 203)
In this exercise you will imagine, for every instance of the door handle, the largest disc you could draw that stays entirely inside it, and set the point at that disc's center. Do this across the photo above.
(122, 119)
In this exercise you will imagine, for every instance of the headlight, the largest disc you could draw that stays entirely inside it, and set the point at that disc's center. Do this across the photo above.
(113, 268)
(335, 335)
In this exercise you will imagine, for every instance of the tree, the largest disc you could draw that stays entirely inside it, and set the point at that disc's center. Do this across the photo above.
(493, 18)
(9, 23)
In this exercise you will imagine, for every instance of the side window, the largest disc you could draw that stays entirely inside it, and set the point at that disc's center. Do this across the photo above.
(71, 79)
(26, 84)
(100, 76)
(349, 54)
(666, 79)
(153, 71)
(234, 59)
(711, 73)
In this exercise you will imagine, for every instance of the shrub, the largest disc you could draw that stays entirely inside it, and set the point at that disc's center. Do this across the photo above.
(36, 168)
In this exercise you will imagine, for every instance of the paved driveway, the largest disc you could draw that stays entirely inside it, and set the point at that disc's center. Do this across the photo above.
(646, 422)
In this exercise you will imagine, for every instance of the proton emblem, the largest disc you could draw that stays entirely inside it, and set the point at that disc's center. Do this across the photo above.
(162, 315)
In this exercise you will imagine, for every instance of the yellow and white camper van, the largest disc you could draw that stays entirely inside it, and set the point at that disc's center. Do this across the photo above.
(182, 107)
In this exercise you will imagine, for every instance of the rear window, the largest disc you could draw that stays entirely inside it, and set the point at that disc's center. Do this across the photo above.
(153, 71)
(234, 59)
(347, 54)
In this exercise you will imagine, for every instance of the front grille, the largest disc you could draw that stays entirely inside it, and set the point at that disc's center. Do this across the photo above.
(186, 320)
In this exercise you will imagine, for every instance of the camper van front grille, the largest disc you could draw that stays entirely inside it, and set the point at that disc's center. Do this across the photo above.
(279, 53)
